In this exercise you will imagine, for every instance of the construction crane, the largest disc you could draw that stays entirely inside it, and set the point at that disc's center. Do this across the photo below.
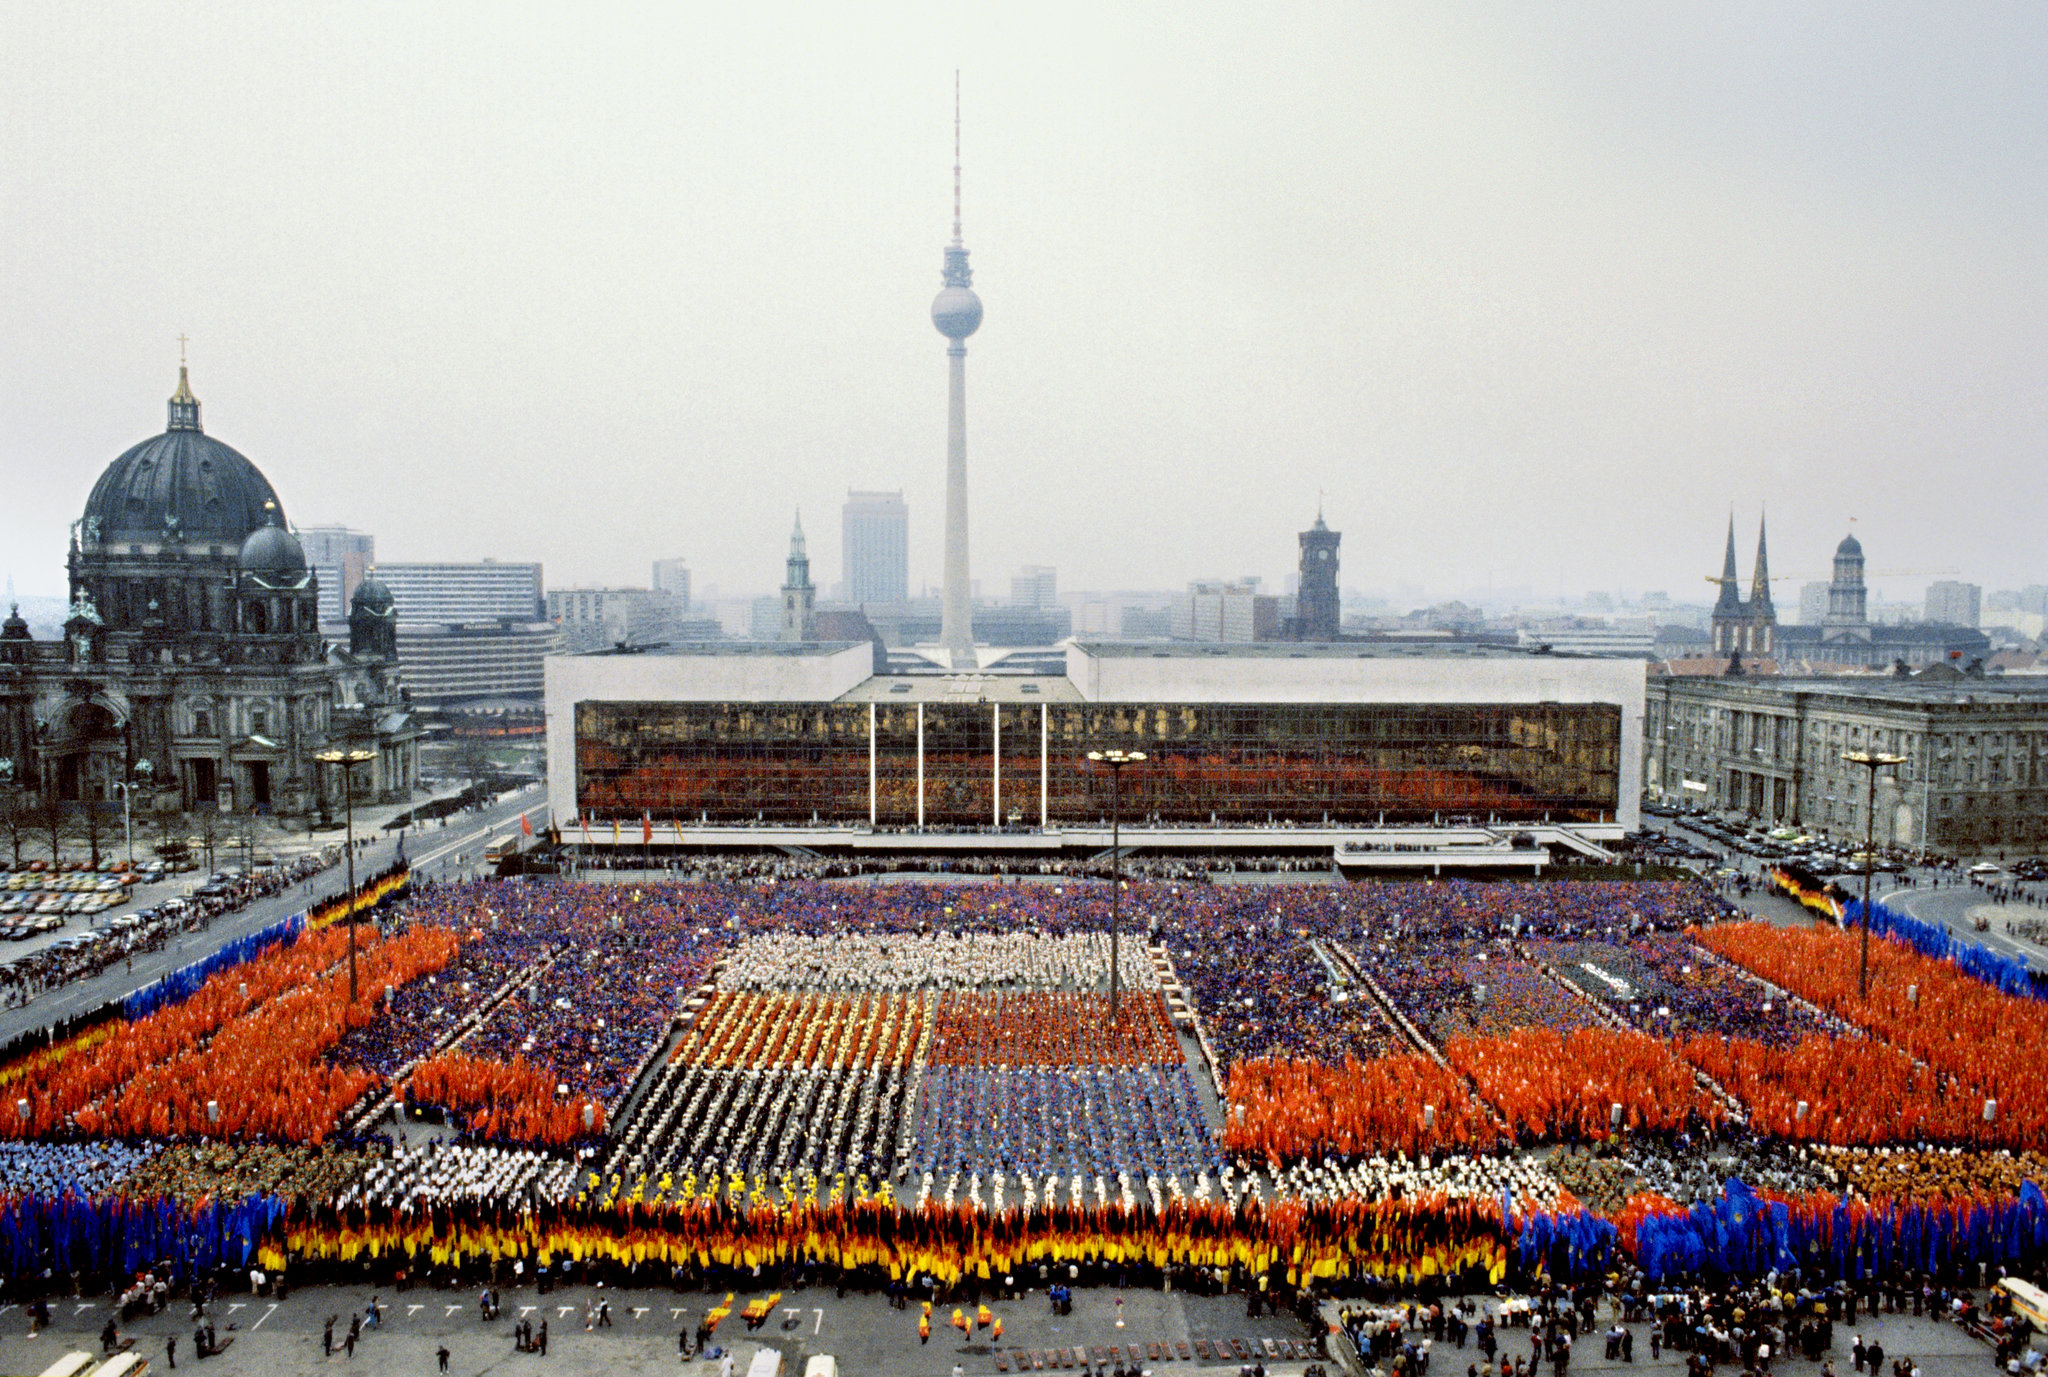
(1828, 576)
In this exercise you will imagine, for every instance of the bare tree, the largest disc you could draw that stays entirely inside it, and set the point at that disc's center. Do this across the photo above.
(48, 818)
(89, 825)
(207, 826)
(473, 762)
(171, 847)
(15, 822)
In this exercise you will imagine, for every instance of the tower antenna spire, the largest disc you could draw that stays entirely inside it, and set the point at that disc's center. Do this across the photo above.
(956, 155)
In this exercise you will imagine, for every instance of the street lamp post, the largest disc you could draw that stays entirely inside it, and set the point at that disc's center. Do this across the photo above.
(348, 760)
(1116, 760)
(1873, 761)
(142, 771)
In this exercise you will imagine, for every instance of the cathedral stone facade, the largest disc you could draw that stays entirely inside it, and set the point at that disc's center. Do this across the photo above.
(191, 669)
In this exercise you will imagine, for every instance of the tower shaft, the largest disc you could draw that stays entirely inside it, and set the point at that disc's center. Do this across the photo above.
(956, 620)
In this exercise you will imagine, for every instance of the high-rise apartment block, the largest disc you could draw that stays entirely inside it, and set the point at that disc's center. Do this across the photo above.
(874, 548)
(1227, 612)
(1955, 604)
(590, 618)
(339, 558)
(1035, 586)
(672, 576)
(1813, 603)
(461, 593)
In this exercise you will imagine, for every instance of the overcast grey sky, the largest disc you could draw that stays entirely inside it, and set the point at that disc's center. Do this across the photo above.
(1532, 293)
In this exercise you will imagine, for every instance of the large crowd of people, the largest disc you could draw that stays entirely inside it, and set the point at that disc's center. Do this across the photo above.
(946, 1051)
(941, 961)
(1989, 1046)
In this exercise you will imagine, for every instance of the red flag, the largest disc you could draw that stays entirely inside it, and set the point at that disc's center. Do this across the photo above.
(524, 825)
(646, 830)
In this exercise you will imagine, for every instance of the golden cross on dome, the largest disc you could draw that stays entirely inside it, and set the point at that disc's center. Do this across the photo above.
(182, 339)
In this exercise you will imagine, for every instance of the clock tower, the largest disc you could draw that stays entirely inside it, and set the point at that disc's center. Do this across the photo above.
(1318, 614)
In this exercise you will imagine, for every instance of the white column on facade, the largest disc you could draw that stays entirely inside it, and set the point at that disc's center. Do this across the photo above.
(996, 764)
(1044, 762)
(920, 767)
(871, 766)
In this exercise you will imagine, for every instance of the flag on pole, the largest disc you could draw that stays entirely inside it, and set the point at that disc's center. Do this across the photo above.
(646, 830)
(525, 826)
(584, 823)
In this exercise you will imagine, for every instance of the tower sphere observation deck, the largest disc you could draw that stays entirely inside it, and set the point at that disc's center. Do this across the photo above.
(956, 310)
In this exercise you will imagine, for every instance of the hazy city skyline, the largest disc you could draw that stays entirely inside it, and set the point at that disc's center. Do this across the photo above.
(1530, 299)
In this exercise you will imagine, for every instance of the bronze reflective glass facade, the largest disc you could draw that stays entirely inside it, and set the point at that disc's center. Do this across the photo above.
(1226, 764)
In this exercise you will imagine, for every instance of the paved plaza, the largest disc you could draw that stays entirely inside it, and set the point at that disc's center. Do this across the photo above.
(863, 1332)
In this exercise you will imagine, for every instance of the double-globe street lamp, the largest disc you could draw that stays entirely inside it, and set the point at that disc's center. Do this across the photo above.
(1873, 761)
(139, 777)
(348, 759)
(1115, 759)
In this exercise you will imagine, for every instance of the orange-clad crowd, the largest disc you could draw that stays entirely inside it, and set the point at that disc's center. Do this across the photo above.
(1988, 1045)
(518, 1103)
(83, 1082)
(1841, 1091)
(764, 1031)
(1284, 1109)
(1548, 1085)
(266, 1074)
(1052, 1029)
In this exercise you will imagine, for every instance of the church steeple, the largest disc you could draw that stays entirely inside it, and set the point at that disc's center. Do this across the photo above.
(1730, 602)
(799, 598)
(1760, 582)
(799, 571)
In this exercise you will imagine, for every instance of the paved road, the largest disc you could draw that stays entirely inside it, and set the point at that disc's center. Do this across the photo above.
(862, 1332)
(432, 853)
(1934, 896)
(1956, 906)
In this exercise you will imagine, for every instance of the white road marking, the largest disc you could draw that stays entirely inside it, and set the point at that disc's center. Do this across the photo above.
(562, 1310)
(233, 1306)
(638, 1311)
(674, 1311)
(84, 1306)
(266, 1315)
(447, 1310)
(818, 1323)
(526, 1310)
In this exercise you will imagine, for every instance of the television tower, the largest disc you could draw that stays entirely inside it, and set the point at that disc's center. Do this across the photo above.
(956, 311)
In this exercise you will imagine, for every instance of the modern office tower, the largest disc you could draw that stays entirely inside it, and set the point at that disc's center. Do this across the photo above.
(1955, 604)
(339, 558)
(874, 548)
(1229, 612)
(591, 618)
(1034, 585)
(455, 593)
(672, 576)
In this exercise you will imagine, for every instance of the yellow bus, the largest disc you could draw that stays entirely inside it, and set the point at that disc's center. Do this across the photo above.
(71, 1365)
(2027, 1300)
(129, 1364)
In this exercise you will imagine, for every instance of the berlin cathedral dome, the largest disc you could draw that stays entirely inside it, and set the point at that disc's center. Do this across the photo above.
(193, 672)
(182, 485)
